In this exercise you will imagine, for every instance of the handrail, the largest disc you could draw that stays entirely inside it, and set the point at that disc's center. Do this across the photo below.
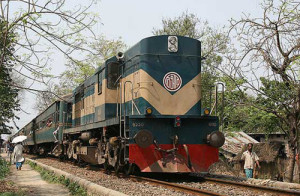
(120, 108)
(117, 99)
(128, 81)
(215, 106)
(132, 100)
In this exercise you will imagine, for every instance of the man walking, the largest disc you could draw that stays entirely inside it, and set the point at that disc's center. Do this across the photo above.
(10, 151)
(250, 159)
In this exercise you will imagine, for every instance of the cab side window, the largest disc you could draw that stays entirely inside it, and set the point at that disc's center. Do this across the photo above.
(100, 78)
(112, 74)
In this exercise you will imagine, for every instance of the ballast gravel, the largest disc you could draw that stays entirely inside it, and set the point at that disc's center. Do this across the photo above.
(226, 189)
(124, 185)
(130, 187)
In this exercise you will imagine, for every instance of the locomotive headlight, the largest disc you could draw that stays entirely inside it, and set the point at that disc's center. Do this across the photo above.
(206, 111)
(148, 111)
(143, 138)
(216, 139)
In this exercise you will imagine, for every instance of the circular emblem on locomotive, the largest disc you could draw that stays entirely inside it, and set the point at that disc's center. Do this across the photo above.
(172, 81)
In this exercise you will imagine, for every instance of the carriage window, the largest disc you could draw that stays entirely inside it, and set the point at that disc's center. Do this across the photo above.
(77, 97)
(100, 78)
(112, 75)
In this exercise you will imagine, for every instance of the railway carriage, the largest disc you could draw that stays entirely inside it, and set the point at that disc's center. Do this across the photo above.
(140, 109)
(49, 127)
(45, 132)
(30, 141)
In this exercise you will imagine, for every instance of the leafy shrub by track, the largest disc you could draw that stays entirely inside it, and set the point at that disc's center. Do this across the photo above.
(4, 168)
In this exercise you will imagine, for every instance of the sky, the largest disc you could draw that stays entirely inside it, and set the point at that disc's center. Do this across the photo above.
(133, 20)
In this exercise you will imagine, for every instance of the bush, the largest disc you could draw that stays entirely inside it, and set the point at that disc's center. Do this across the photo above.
(4, 168)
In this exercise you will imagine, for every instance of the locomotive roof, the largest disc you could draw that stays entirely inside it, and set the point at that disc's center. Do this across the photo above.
(149, 45)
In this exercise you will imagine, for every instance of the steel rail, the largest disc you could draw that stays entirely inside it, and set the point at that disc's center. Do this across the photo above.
(253, 187)
(177, 187)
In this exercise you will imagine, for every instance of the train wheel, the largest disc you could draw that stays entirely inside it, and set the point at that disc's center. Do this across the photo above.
(106, 167)
(70, 151)
(61, 158)
(118, 168)
(128, 169)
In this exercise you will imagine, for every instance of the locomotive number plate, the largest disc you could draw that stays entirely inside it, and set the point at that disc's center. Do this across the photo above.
(212, 124)
(137, 124)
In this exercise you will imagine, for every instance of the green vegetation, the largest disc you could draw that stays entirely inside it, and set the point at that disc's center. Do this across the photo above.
(268, 61)
(78, 71)
(12, 194)
(8, 93)
(27, 39)
(4, 168)
(7, 185)
(50, 177)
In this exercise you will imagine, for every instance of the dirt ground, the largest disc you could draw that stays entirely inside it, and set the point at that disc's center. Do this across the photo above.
(31, 182)
(7, 186)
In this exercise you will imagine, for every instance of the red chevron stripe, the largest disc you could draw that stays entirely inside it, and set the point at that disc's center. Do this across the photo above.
(151, 160)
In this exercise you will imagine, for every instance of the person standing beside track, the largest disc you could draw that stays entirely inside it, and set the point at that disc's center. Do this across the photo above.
(10, 149)
(250, 158)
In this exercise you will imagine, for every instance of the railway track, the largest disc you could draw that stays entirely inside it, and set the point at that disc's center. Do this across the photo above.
(177, 187)
(197, 191)
(271, 190)
(247, 188)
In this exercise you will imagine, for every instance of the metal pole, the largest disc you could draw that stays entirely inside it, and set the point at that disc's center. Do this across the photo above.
(216, 99)
(120, 109)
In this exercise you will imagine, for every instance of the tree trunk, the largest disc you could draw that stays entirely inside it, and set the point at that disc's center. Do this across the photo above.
(291, 164)
(298, 162)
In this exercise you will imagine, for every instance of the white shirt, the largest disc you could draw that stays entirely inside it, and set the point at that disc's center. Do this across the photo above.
(250, 158)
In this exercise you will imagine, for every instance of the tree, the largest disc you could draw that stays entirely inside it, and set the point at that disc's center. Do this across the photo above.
(36, 30)
(52, 93)
(78, 71)
(269, 64)
(9, 102)
(240, 115)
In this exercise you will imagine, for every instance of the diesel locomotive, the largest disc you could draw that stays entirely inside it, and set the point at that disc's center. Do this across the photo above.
(141, 109)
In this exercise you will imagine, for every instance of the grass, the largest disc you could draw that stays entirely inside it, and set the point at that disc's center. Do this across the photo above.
(7, 185)
(4, 168)
(74, 188)
(12, 194)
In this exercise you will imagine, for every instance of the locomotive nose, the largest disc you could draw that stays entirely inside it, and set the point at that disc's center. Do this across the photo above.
(216, 139)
